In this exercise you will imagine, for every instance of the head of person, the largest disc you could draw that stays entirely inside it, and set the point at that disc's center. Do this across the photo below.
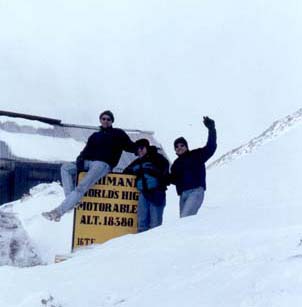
(106, 119)
(141, 147)
(181, 146)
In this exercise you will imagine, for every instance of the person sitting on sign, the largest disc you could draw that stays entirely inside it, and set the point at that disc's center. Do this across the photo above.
(151, 169)
(100, 155)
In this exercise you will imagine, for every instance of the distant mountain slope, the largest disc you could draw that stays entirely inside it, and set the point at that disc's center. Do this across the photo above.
(278, 128)
(267, 177)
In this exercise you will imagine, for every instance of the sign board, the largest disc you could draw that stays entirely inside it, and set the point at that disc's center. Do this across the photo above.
(106, 211)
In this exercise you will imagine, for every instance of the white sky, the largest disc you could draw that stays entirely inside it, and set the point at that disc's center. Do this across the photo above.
(157, 65)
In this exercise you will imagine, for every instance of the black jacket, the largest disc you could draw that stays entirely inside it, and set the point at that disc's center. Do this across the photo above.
(151, 171)
(107, 145)
(188, 170)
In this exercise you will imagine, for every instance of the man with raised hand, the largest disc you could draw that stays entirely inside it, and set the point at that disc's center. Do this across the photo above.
(100, 155)
(188, 171)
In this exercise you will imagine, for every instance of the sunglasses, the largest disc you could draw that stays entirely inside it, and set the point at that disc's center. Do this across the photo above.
(108, 119)
(180, 145)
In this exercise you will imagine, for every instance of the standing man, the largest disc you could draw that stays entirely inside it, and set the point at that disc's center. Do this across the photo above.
(188, 171)
(100, 155)
(151, 170)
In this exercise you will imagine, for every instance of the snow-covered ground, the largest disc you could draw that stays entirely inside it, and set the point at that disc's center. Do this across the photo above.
(244, 248)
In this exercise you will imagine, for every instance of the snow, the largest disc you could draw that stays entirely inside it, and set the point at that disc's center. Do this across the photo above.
(161, 66)
(25, 122)
(242, 249)
(275, 130)
(43, 148)
(181, 265)
(15, 246)
(56, 240)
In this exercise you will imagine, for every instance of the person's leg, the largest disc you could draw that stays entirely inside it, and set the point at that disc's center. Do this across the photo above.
(143, 213)
(157, 206)
(97, 170)
(191, 201)
(182, 200)
(68, 177)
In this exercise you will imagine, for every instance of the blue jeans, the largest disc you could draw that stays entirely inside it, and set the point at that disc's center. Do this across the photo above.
(190, 201)
(150, 210)
(68, 177)
(95, 171)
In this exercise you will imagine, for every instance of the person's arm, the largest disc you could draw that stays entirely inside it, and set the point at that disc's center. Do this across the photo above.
(166, 175)
(129, 169)
(171, 175)
(210, 148)
(129, 146)
(81, 157)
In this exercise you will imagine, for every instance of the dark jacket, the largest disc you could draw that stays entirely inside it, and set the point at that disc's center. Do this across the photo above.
(151, 171)
(188, 170)
(107, 145)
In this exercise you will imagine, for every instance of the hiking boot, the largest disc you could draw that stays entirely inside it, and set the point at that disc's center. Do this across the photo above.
(52, 215)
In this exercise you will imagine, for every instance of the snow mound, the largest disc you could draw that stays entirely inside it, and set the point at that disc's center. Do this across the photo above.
(16, 248)
(49, 238)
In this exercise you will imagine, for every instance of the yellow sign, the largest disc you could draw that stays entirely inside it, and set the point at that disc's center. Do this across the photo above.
(106, 211)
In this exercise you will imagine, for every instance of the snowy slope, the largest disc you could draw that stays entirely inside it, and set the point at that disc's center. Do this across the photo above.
(242, 249)
(278, 128)
(271, 176)
(180, 266)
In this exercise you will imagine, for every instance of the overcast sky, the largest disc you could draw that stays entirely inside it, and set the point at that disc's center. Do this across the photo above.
(158, 65)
